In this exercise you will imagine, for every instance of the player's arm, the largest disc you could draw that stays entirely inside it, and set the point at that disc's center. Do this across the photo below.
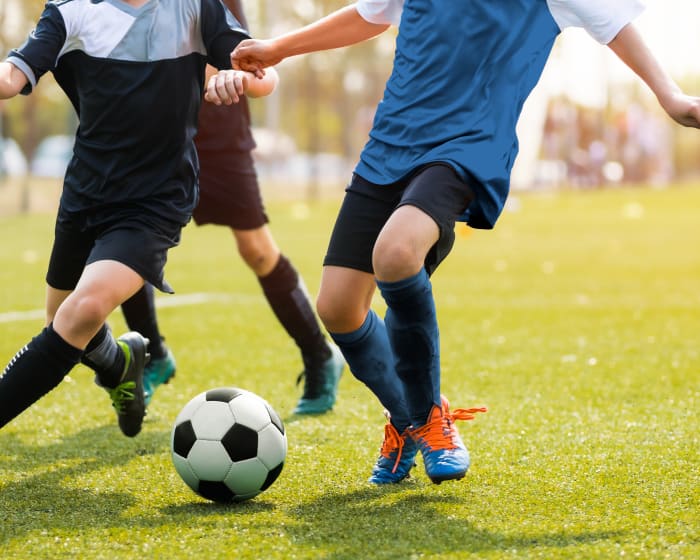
(630, 47)
(227, 86)
(12, 80)
(342, 28)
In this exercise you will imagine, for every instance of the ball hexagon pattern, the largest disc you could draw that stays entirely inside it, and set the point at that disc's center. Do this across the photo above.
(228, 444)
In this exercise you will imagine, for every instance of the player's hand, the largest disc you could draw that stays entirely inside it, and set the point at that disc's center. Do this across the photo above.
(684, 109)
(227, 87)
(254, 55)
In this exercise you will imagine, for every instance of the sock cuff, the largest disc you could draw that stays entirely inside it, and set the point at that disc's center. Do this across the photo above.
(407, 287)
(97, 353)
(56, 344)
(98, 339)
(358, 335)
(283, 277)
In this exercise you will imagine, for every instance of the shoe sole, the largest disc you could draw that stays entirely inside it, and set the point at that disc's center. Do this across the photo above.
(446, 478)
(407, 476)
(386, 482)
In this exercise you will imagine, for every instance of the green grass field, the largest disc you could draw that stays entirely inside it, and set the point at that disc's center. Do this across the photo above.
(576, 322)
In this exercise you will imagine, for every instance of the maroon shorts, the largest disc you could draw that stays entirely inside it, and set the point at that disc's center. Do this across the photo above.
(229, 193)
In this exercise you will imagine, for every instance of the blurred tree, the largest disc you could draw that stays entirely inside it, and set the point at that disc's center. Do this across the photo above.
(46, 111)
(325, 101)
(324, 98)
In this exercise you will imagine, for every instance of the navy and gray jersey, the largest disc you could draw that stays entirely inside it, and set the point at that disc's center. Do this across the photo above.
(135, 77)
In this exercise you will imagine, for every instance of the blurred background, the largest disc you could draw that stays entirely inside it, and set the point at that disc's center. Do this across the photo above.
(589, 124)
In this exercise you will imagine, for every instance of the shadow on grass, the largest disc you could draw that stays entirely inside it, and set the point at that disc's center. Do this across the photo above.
(404, 520)
(205, 509)
(104, 444)
(38, 499)
(396, 521)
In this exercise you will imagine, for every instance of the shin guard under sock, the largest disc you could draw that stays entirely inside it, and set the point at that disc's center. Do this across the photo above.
(370, 359)
(412, 328)
(287, 296)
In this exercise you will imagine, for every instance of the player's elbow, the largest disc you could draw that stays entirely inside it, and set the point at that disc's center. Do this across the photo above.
(264, 86)
(12, 80)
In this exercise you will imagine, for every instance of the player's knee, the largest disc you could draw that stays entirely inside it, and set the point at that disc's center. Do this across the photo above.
(86, 311)
(326, 310)
(339, 315)
(93, 309)
(256, 256)
(395, 258)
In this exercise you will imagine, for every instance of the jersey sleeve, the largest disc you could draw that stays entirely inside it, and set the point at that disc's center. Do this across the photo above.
(221, 33)
(603, 19)
(380, 11)
(41, 50)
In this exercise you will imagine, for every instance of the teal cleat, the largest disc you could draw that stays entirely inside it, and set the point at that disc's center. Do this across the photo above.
(321, 386)
(157, 373)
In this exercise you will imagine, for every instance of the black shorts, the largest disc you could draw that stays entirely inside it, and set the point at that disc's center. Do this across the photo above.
(436, 189)
(135, 239)
(229, 193)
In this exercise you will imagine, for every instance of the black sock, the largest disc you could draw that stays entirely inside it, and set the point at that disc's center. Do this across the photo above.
(140, 316)
(34, 371)
(287, 297)
(105, 357)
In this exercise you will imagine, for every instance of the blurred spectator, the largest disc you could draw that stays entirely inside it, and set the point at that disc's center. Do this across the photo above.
(597, 147)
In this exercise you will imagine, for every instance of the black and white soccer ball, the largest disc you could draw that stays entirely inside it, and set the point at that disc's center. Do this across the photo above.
(228, 444)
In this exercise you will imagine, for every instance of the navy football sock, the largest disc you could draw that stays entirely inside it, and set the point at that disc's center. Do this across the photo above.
(370, 359)
(412, 328)
(34, 371)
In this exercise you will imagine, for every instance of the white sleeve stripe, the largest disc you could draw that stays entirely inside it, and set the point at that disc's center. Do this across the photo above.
(24, 68)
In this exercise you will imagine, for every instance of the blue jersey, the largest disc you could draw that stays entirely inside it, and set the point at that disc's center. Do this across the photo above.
(135, 77)
(462, 71)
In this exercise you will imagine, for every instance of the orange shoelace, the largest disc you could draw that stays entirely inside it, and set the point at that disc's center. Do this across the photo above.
(393, 442)
(438, 431)
(465, 413)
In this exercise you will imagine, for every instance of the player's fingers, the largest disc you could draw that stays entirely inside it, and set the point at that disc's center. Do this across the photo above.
(211, 94)
(255, 69)
(248, 65)
(243, 82)
(221, 87)
(234, 87)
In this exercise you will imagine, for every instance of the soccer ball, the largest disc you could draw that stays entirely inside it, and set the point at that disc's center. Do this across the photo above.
(228, 444)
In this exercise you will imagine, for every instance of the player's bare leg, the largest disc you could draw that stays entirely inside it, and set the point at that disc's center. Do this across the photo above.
(119, 364)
